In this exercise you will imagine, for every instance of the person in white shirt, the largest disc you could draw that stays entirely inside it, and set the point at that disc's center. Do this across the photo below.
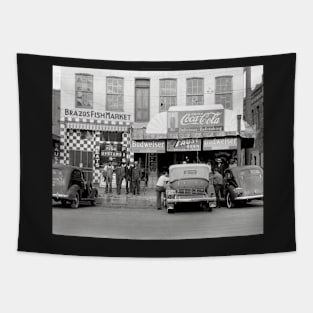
(161, 187)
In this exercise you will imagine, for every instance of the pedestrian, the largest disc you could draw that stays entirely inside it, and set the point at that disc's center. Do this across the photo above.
(210, 166)
(218, 185)
(161, 188)
(109, 177)
(232, 163)
(104, 173)
(220, 166)
(118, 178)
(136, 176)
(123, 172)
(128, 177)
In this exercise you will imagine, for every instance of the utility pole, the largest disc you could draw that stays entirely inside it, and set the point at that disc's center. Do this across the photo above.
(239, 140)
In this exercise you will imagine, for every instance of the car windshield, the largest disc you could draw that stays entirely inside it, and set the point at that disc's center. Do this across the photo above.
(57, 177)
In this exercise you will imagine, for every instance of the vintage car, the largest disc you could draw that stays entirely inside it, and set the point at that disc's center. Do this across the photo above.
(242, 184)
(189, 183)
(69, 186)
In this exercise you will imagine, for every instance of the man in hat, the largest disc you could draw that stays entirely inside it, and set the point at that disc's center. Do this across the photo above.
(220, 167)
(218, 186)
(109, 177)
(136, 176)
(128, 177)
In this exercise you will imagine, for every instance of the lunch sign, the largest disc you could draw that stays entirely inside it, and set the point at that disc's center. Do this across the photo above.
(195, 121)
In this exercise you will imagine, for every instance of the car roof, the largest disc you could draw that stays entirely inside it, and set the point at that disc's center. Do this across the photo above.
(188, 165)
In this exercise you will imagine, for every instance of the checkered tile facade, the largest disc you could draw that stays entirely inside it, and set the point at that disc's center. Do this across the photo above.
(70, 139)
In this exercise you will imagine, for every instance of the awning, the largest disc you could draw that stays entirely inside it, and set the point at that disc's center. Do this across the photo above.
(94, 127)
(158, 127)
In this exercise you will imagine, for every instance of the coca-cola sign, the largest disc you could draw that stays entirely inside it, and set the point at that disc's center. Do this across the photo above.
(196, 121)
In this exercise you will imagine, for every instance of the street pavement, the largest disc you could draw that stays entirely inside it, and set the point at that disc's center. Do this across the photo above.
(135, 217)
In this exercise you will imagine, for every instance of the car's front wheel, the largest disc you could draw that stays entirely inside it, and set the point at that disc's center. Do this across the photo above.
(94, 200)
(170, 208)
(229, 202)
(75, 202)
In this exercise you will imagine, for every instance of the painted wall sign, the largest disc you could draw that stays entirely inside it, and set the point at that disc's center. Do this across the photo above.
(220, 143)
(195, 121)
(110, 151)
(107, 115)
(148, 146)
(192, 144)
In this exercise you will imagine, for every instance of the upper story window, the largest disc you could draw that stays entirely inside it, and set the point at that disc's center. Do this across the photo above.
(84, 91)
(224, 91)
(195, 91)
(168, 94)
(115, 94)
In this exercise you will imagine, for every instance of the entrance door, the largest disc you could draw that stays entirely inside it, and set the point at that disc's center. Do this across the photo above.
(84, 160)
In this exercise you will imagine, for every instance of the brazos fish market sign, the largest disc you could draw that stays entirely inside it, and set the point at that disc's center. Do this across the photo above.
(91, 114)
(195, 121)
(220, 144)
(148, 146)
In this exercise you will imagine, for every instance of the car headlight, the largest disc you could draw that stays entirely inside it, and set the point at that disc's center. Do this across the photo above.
(238, 191)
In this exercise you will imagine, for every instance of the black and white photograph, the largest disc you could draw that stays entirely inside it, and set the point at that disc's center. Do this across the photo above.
(162, 154)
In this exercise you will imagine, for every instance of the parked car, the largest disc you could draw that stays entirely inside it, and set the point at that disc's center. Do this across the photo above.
(242, 184)
(189, 183)
(70, 186)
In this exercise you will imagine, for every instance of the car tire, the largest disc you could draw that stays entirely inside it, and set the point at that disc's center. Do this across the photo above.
(75, 202)
(170, 209)
(94, 200)
(229, 203)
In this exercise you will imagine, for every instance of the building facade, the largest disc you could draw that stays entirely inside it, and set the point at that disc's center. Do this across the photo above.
(155, 117)
(56, 99)
(254, 115)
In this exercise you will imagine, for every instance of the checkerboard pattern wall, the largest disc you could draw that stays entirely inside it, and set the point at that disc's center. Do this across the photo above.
(71, 139)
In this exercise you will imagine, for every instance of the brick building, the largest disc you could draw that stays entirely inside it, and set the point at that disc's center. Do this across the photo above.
(253, 114)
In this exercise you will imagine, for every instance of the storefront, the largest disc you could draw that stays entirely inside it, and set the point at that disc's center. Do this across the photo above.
(198, 134)
(91, 143)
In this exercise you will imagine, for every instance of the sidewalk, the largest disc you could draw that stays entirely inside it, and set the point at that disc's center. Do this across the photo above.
(146, 198)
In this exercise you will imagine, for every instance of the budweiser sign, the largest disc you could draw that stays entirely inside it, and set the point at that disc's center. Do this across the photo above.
(196, 121)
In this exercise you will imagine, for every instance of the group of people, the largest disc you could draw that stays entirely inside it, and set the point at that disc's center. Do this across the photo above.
(218, 176)
(131, 173)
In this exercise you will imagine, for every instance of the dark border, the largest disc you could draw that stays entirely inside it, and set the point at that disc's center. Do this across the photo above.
(35, 229)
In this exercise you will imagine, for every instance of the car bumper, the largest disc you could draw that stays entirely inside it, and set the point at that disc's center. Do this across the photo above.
(189, 200)
(59, 196)
(249, 197)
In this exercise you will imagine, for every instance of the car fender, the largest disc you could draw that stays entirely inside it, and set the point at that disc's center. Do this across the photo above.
(73, 190)
(93, 193)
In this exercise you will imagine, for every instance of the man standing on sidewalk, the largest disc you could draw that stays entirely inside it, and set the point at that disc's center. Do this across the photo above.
(218, 185)
(128, 177)
(118, 177)
(109, 171)
(136, 175)
(161, 187)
